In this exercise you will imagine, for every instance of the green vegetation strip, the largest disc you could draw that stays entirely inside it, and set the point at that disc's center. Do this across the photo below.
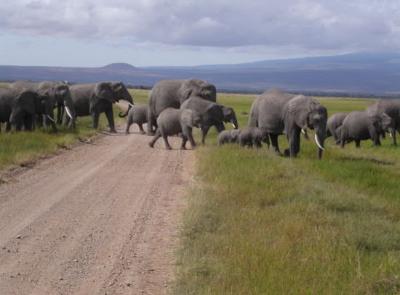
(262, 224)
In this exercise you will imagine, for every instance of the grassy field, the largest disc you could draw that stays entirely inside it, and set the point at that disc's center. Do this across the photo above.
(23, 147)
(262, 224)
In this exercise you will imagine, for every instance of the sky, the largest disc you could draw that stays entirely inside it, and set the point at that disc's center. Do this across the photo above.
(191, 32)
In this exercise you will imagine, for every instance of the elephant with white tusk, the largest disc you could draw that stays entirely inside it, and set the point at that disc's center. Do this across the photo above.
(172, 93)
(276, 113)
(176, 121)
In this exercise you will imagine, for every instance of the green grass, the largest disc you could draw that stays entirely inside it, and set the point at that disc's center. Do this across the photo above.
(19, 148)
(257, 223)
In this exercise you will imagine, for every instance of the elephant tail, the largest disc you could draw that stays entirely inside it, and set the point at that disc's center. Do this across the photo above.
(123, 115)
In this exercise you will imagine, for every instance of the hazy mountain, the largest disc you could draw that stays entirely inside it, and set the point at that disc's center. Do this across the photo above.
(377, 73)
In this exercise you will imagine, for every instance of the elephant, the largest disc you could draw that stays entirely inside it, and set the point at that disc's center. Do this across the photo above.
(212, 114)
(44, 108)
(333, 123)
(391, 107)
(276, 112)
(59, 92)
(173, 121)
(228, 136)
(172, 93)
(361, 125)
(252, 136)
(136, 114)
(18, 108)
(94, 99)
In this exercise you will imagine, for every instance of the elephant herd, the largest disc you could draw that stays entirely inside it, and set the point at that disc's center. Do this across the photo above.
(175, 107)
(25, 105)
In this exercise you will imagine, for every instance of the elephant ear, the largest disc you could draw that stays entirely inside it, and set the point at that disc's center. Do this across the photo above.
(215, 112)
(187, 117)
(297, 111)
(188, 88)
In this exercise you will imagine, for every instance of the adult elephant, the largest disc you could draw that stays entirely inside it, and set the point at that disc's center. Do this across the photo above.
(391, 107)
(212, 114)
(59, 92)
(361, 125)
(94, 99)
(46, 103)
(18, 108)
(276, 112)
(172, 93)
(332, 125)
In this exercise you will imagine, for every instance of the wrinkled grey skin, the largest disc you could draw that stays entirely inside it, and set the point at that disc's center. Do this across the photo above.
(391, 107)
(228, 136)
(59, 92)
(172, 93)
(361, 125)
(212, 114)
(94, 99)
(276, 112)
(44, 109)
(18, 108)
(251, 136)
(333, 123)
(136, 115)
(173, 121)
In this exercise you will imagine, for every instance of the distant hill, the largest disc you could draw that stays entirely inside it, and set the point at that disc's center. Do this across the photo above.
(370, 73)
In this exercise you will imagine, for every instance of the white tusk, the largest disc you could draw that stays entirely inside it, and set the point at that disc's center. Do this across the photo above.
(390, 134)
(303, 131)
(68, 112)
(50, 118)
(317, 142)
(130, 104)
(233, 125)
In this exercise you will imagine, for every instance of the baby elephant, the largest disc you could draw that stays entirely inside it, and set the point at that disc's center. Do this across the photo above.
(334, 122)
(252, 136)
(176, 121)
(228, 136)
(136, 115)
(359, 126)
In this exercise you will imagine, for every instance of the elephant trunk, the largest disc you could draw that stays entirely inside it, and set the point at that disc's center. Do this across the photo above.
(220, 127)
(319, 138)
(123, 115)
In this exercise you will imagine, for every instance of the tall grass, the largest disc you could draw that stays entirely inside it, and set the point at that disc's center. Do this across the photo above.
(262, 224)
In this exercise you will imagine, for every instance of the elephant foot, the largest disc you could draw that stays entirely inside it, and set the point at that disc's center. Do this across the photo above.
(168, 148)
(113, 131)
(151, 144)
(142, 132)
(286, 153)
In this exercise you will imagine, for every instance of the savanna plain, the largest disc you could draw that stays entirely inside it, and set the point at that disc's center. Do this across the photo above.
(257, 223)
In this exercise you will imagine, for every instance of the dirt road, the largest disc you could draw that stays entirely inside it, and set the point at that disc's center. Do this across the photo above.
(100, 219)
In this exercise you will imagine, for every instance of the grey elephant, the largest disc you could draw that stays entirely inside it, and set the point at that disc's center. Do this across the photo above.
(276, 112)
(332, 125)
(212, 114)
(228, 136)
(391, 107)
(172, 93)
(44, 108)
(59, 92)
(94, 99)
(361, 125)
(18, 108)
(252, 136)
(136, 115)
(173, 121)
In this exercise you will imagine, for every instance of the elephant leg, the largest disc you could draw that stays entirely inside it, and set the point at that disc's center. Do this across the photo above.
(60, 113)
(257, 143)
(204, 131)
(274, 143)
(110, 119)
(141, 128)
(358, 142)
(157, 135)
(151, 122)
(127, 128)
(167, 145)
(95, 119)
(8, 127)
(184, 140)
(294, 142)
(393, 132)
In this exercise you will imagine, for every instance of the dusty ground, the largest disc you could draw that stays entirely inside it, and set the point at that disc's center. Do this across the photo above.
(100, 219)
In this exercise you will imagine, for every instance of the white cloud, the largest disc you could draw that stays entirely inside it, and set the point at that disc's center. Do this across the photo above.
(305, 24)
